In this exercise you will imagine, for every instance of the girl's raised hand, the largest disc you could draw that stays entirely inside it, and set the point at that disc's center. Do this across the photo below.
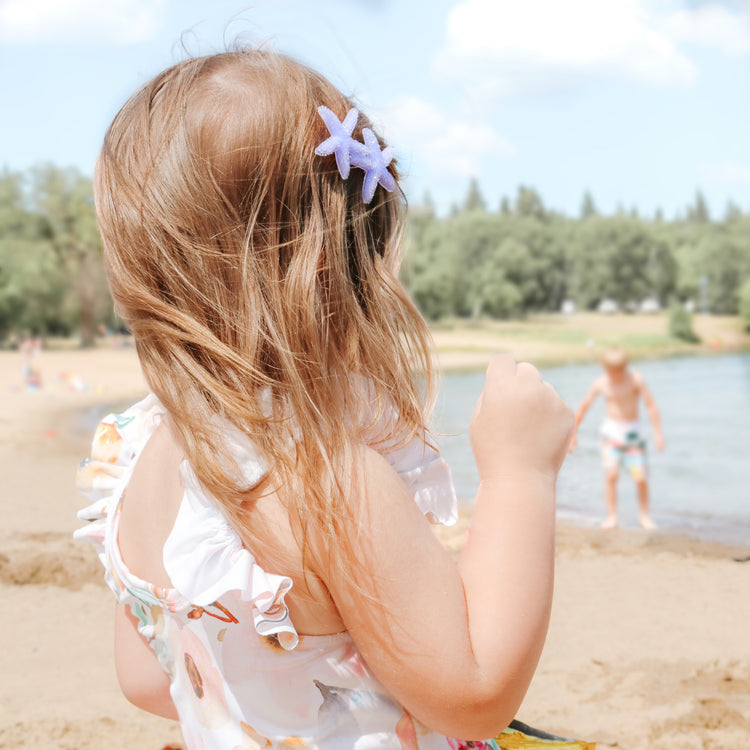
(519, 424)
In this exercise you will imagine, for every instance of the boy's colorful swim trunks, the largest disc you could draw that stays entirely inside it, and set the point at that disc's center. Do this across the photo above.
(623, 444)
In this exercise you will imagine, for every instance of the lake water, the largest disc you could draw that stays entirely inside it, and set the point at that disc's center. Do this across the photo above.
(700, 484)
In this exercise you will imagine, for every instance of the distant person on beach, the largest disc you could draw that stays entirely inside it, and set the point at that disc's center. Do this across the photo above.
(31, 348)
(622, 439)
(263, 516)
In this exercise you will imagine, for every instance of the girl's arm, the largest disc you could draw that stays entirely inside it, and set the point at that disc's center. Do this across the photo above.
(457, 645)
(142, 681)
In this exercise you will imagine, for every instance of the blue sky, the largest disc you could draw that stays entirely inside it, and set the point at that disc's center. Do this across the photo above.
(642, 102)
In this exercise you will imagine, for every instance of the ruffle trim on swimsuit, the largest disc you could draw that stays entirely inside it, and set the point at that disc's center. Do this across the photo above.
(203, 555)
(428, 478)
(204, 558)
(102, 478)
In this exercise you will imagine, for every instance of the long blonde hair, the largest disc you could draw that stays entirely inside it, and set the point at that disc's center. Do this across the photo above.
(259, 287)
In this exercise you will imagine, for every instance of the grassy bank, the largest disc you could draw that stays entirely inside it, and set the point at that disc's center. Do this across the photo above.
(562, 339)
(549, 340)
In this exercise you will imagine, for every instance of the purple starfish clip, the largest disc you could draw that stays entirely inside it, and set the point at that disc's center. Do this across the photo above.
(349, 153)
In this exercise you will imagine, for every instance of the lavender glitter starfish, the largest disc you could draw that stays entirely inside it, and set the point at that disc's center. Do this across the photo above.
(341, 142)
(349, 153)
(375, 166)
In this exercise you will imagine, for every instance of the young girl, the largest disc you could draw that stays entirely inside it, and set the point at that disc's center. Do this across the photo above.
(277, 584)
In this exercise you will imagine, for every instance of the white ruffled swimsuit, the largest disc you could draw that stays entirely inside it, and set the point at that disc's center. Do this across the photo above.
(241, 676)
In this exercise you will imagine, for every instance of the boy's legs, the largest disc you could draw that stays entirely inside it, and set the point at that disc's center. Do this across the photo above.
(612, 455)
(643, 504)
(635, 460)
(611, 476)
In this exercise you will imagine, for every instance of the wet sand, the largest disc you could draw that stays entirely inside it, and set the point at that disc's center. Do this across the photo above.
(648, 645)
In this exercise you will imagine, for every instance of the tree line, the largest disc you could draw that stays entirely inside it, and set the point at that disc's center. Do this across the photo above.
(523, 257)
(473, 262)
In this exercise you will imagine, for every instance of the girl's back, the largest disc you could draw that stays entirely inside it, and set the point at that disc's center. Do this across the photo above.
(155, 492)
(238, 673)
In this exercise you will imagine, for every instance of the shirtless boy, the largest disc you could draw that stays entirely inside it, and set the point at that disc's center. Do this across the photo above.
(623, 441)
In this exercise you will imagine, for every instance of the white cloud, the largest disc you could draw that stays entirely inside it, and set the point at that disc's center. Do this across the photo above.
(712, 25)
(726, 173)
(503, 46)
(88, 21)
(449, 148)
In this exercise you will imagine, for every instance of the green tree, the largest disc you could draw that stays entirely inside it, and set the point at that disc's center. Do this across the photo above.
(681, 324)
(732, 211)
(64, 200)
(713, 259)
(725, 261)
(433, 289)
(610, 260)
(588, 207)
(469, 239)
(698, 211)
(496, 294)
(474, 200)
(432, 271)
(529, 203)
(32, 287)
(534, 254)
(661, 270)
(32, 291)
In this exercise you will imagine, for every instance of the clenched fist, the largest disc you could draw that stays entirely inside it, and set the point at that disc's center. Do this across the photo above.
(520, 423)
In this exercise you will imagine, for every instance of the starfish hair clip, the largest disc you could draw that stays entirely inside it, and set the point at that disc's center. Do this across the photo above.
(350, 153)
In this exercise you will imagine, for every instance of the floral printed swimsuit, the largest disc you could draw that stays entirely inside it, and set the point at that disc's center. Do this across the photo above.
(241, 677)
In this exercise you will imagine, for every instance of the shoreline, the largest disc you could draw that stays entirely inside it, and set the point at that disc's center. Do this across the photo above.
(76, 415)
(544, 339)
(472, 362)
(619, 541)
(728, 532)
(556, 340)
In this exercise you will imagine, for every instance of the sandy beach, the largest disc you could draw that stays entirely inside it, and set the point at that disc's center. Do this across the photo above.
(649, 644)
